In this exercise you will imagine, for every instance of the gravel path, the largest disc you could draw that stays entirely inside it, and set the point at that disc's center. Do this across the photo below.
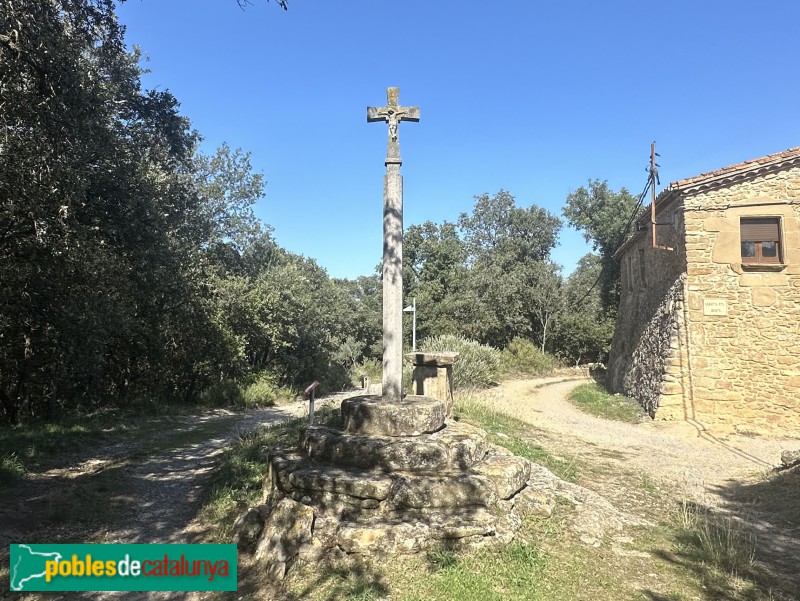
(160, 492)
(672, 453)
(676, 461)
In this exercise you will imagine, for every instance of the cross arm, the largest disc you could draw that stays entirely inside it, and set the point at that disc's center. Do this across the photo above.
(404, 113)
(374, 114)
(411, 113)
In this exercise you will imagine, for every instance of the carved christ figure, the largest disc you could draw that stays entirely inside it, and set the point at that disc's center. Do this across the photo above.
(393, 114)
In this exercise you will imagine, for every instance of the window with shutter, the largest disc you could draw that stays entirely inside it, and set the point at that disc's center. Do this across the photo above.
(761, 239)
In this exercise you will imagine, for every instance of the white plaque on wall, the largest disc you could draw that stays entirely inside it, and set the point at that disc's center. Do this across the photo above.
(715, 306)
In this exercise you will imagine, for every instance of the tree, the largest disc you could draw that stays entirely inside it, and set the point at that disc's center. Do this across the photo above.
(509, 276)
(607, 219)
(546, 296)
(583, 331)
(434, 272)
(228, 188)
(508, 233)
(94, 173)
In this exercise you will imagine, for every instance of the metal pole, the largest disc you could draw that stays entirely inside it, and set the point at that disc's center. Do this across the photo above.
(414, 328)
(310, 394)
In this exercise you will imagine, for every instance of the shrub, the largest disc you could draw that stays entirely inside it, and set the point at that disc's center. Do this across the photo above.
(11, 469)
(478, 365)
(369, 367)
(261, 392)
(224, 393)
(523, 357)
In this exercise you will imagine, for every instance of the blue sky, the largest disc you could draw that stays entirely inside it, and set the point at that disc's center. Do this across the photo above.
(532, 97)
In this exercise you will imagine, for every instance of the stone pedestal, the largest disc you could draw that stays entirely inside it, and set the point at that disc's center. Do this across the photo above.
(397, 478)
(433, 376)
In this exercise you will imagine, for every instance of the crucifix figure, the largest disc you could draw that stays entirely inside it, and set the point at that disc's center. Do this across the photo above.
(392, 114)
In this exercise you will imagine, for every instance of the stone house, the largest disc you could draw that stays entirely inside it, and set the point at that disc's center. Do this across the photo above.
(710, 330)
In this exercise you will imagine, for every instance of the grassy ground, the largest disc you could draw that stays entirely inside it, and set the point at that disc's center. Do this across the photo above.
(510, 433)
(594, 399)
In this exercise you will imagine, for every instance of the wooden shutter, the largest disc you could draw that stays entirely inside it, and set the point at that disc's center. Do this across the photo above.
(760, 229)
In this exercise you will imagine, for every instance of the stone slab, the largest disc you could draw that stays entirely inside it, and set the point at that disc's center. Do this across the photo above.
(281, 464)
(285, 530)
(352, 482)
(456, 446)
(508, 473)
(382, 537)
(411, 416)
(444, 359)
(468, 490)
(413, 532)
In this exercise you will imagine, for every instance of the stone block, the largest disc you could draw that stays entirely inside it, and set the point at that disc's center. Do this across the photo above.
(727, 248)
(763, 297)
(508, 473)
(720, 224)
(449, 526)
(433, 376)
(467, 444)
(386, 537)
(343, 481)
(285, 530)
(411, 416)
(535, 501)
(443, 491)
(334, 504)
(281, 464)
(457, 445)
(247, 528)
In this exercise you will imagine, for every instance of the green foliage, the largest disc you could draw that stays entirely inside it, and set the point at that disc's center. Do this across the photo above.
(523, 357)
(11, 469)
(227, 393)
(497, 227)
(488, 278)
(478, 365)
(371, 368)
(721, 541)
(263, 391)
(581, 338)
(595, 400)
(514, 571)
(605, 218)
(583, 331)
(133, 267)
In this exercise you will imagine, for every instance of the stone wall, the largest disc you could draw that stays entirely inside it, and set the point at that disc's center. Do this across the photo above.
(652, 291)
(744, 364)
(644, 377)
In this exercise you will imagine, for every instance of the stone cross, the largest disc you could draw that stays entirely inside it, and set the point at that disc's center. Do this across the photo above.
(393, 114)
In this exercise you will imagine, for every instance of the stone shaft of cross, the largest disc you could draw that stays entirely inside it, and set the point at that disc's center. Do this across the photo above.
(392, 114)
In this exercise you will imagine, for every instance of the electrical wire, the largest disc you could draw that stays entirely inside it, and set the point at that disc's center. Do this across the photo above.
(633, 215)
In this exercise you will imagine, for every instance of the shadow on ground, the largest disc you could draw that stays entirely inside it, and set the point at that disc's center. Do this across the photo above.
(761, 517)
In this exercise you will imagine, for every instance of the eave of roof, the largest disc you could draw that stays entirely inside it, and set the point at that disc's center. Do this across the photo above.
(715, 179)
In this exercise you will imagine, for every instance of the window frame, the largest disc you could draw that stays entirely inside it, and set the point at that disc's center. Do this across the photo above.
(765, 223)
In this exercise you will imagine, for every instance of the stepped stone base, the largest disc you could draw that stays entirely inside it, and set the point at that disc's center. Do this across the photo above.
(399, 478)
